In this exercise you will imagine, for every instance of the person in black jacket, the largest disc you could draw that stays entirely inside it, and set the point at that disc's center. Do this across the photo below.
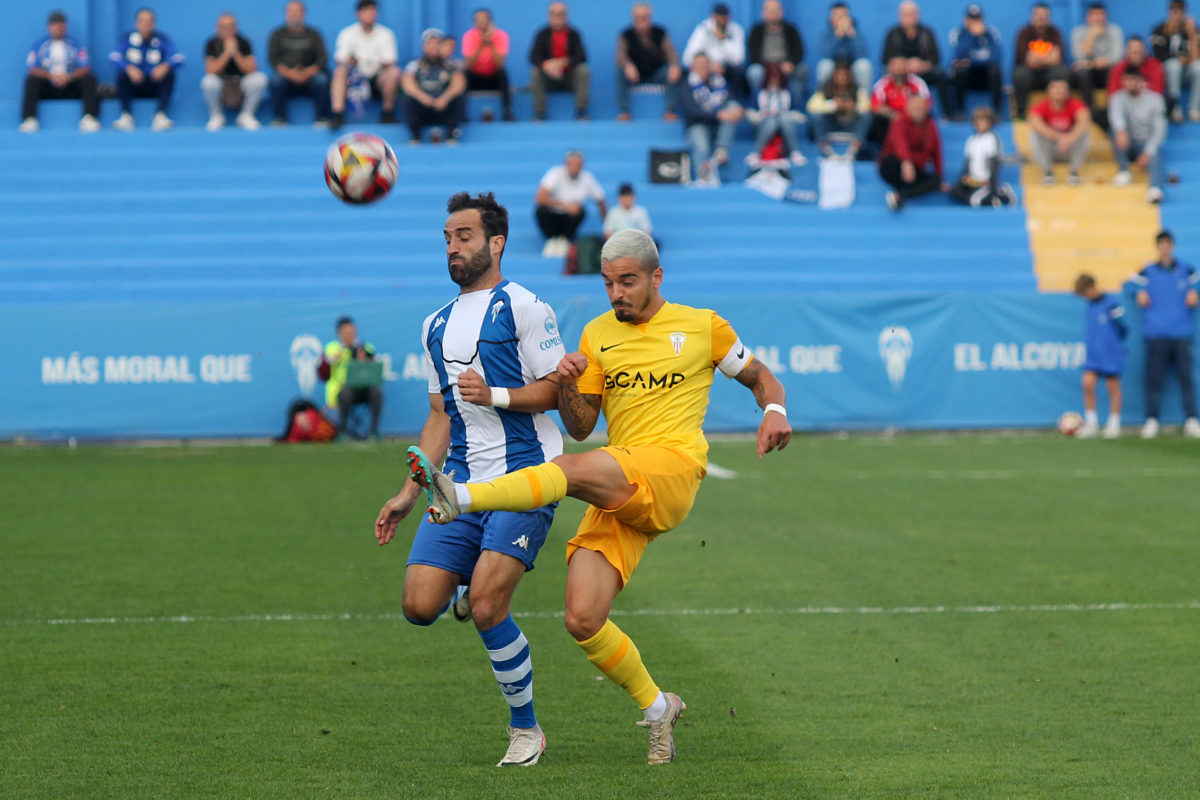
(646, 54)
(776, 41)
(915, 42)
(559, 64)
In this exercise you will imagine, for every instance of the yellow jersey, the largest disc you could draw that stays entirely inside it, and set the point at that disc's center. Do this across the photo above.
(654, 378)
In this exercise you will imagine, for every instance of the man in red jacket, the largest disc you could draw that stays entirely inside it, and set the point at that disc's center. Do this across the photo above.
(911, 160)
(1136, 54)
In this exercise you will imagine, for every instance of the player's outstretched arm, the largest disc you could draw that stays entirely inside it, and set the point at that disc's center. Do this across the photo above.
(579, 412)
(541, 395)
(774, 432)
(435, 438)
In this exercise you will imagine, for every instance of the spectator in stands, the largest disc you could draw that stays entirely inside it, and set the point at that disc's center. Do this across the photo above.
(1060, 129)
(338, 395)
(975, 61)
(1039, 49)
(297, 54)
(775, 42)
(1177, 45)
(1138, 120)
(449, 46)
(843, 44)
(231, 77)
(1096, 46)
(626, 214)
(773, 116)
(485, 49)
(561, 196)
(979, 184)
(724, 43)
(645, 54)
(1104, 334)
(559, 64)
(840, 106)
(146, 60)
(365, 50)
(1167, 295)
(917, 45)
(1151, 67)
(912, 155)
(433, 91)
(59, 69)
(710, 118)
(890, 95)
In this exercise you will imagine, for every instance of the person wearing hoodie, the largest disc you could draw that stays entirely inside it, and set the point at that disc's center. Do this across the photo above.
(723, 41)
(843, 43)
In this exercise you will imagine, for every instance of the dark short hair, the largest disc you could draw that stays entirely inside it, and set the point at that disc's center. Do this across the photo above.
(365, 4)
(1132, 70)
(1164, 234)
(1042, 5)
(625, 188)
(343, 321)
(493, 215)
(838, 4)
(1084, 282)
(1135, 37)
(1176, 4)
(483, 9)
(1096, 5)
(1059, 73)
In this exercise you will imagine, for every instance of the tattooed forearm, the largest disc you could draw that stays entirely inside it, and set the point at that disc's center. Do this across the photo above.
(579, 412)
(758, 379)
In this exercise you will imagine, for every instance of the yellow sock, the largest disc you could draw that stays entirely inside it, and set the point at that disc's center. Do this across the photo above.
(523, 490)
(617, 656)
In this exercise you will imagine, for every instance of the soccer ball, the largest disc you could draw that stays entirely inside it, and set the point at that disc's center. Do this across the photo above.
(1069, 422)
(360, 168)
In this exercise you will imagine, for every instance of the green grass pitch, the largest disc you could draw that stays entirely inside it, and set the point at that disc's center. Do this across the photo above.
(927, 616)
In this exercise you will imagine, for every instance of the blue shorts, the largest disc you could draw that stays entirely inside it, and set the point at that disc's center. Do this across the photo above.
(455, 546)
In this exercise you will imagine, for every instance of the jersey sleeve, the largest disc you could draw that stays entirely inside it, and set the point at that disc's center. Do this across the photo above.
(728, 353)
(435, 383)
(538, 338)
(592, 379)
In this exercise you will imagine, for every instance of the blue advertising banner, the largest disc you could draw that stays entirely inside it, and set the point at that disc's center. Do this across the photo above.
(847, 361)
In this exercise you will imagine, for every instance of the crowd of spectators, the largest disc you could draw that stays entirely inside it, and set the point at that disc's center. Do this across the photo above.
(721, 78)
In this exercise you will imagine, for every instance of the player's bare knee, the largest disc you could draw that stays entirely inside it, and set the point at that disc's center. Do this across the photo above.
(420, 612)
(488, 610)
(582, 624)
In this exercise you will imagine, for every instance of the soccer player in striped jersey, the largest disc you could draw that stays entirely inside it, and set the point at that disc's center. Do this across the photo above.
(648, 364)
(492, 354)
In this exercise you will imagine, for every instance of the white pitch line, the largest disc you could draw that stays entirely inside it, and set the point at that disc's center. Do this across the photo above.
(1011, 474)
(1193, 605)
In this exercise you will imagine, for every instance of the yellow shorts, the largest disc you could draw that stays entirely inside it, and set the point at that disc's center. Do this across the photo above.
(667, 480)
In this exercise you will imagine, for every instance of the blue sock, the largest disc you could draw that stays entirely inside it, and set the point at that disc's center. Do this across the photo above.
(509, 652)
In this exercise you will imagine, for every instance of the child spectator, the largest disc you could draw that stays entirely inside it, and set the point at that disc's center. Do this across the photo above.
(912, 155)
(979, 184)
(774, 116)
(842, 107)
(1104, 334)
(626, 214)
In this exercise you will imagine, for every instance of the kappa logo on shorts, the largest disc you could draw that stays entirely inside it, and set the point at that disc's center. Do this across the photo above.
(522, 542)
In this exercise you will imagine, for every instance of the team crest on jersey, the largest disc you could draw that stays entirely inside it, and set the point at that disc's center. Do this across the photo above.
(677, 340)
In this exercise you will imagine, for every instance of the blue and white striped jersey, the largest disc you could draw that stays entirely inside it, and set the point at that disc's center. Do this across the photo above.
(511, 338)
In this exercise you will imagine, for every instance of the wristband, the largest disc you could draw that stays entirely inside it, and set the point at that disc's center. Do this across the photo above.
(500, 398)
(775, 407)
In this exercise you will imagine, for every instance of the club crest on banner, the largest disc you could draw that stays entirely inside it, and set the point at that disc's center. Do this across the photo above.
(895, 348)
(306, 353)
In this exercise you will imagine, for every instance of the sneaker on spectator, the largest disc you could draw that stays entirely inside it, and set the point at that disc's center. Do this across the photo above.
(1073, 179)
(1154, 195)
(1123, 178)
(28, 125)
(337, 120)
(1177, 114)
(161, 122)
(1112, 429)
(720, 156)
(280, 122)
(387, 117)
(1048, 178)
(1006, 192)
(1194, 115)
(798, 158)
(124, 122)
(1088, 430)
(88, 124)
(1150, 428)
(581, 115)
(248, 122)
(548, 249)
(894, 201)
(322, 123)
(215, 123)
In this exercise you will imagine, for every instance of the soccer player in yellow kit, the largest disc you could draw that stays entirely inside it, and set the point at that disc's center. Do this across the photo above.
(648, 365)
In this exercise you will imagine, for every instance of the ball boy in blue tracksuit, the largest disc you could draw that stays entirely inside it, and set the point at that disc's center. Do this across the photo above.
(1104, 335)
(1167, 294)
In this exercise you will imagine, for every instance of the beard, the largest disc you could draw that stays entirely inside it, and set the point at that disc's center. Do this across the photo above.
(625, 312)
(471, 269)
